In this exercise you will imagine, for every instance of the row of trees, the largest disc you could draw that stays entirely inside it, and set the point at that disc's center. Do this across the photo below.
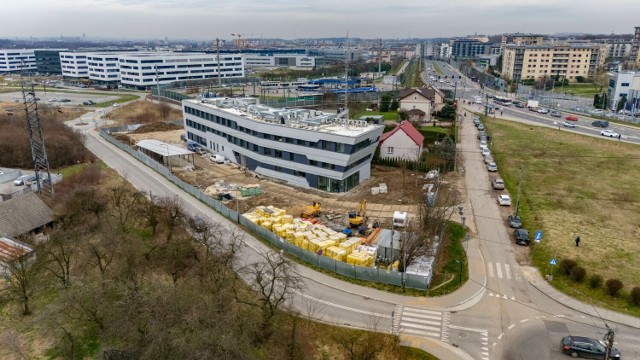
(129, 277)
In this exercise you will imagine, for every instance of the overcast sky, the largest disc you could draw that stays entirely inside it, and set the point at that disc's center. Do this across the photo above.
(289, 19)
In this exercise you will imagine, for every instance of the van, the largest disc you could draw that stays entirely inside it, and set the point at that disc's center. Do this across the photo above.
(218, 159)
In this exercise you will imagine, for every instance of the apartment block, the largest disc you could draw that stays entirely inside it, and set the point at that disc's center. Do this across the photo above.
(567, 61)
(14, 60)
(305, 148)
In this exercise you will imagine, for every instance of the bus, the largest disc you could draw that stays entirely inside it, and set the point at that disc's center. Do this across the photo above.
(308, 87)
(502, 100)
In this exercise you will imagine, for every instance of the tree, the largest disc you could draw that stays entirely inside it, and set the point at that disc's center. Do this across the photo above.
(600, 79)
(60, 251)
(21, 281)
(394, 105)
(621, 103)
(274, 280)
(385, 102)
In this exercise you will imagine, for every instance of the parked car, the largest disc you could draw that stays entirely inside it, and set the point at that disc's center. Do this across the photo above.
(600, 123)
(514, 221)
(497, 184)
(487, 159)
(483, 143)
(481, 127)
(504, 200)
(543, 111)
(522, 236)
(609, 133)
(555, 113)
(581, 346)
(24, 180)
(486, 151)
(568, 124)
(476, 122)
(519, 105)
(218, 159)
(116, 104)
(572, 118)
(492, 167)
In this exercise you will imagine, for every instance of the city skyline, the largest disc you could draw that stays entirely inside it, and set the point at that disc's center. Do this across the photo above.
(204, 20)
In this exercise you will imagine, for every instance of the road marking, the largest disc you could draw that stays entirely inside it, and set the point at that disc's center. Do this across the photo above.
(490, 269)
(482, 331)
(498, 270)
(500, 336)
(507, 271)
(423, 322)
(524, 321)
(511, 326)
(386, 316)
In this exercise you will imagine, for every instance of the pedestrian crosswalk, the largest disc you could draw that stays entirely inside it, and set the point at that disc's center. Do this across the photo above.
(421, 322)
(502, 271)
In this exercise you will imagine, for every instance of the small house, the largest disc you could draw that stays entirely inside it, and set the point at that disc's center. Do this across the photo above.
(403, 142)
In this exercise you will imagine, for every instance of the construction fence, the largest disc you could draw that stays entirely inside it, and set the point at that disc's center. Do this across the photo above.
(372, 274)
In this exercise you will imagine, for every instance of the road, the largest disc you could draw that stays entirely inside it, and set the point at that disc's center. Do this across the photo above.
(490, 317)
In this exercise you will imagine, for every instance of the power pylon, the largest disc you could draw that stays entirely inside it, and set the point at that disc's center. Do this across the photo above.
(38, 151)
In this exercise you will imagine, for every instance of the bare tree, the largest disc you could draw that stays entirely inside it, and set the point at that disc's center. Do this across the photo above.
(21, 281)
(11, 340)
(59, 253)
(360, 345)
(125, 206)
(275, 282)
(600, 79)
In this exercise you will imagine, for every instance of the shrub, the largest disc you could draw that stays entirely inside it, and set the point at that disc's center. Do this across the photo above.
(613, 286)
(580, 79)
(578, 273)
(595, 281)
(566, 265)
(635, 296)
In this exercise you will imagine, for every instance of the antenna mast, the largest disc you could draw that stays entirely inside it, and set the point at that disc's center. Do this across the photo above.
(38, 151)
(346, 79)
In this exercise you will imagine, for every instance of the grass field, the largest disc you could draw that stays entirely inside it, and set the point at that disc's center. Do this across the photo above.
(437, 68)
(389, 115)
(576, 185)
(583, 90)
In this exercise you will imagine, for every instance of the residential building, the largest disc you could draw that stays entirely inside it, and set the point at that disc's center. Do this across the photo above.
(13, 60)
(425, 50)
(445, 51)
(567, 61)
(635, 50)
(305, 148)
(11, 250)
(624, 86)
(521, 39)
(48, 61)
(23, 214)
(468, 48)
(425, 99)
(619, 49)
(143, 70)
(403, 142)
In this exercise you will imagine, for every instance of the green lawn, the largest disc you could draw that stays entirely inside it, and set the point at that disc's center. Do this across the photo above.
(583, 90)
(120, 100)
(389, 115)
(576, 185)
(437, 69)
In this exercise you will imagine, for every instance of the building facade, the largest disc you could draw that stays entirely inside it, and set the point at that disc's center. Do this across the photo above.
(302, 147)
(143, 70)
(14, 60)
(566, 61)
(74, 65)
(521, 39)
(337, 55)
(48, 61)
(403, 142)
(635, 48)
(624, 90)
(468, 48)
(279, 60)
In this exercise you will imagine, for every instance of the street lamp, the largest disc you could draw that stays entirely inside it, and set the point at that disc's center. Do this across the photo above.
(460, 272)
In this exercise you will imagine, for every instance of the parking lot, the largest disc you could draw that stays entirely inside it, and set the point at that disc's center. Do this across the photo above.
(75, 99)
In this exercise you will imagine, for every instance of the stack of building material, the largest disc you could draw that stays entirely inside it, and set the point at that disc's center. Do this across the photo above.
(383, 188)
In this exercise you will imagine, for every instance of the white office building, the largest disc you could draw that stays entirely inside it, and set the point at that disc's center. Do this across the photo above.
(303, 147)
(624, 87)
(279, 60)
(74, 65)
(104, 67)
(13, 60)
(143, 70)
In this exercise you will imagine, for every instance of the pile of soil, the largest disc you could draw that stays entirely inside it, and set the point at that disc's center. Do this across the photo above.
(124, 139)
(156, 126)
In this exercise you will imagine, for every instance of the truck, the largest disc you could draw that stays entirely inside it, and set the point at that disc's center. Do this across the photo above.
(532, 104)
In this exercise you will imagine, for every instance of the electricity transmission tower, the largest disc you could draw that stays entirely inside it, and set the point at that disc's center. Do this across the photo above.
(38, 151)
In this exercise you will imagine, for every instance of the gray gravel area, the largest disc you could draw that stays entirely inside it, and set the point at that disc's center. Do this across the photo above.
(75, 98)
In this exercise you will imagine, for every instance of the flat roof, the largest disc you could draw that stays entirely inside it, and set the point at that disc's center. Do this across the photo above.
(312, 120)
(162, 148)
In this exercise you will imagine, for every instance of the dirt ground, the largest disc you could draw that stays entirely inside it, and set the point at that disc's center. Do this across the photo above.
(143, 112)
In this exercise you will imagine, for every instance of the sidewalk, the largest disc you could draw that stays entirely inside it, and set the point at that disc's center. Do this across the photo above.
(534, 278)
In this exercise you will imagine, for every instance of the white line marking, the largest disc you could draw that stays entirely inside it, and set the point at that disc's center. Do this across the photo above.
(386, 316)
(511, 326)
(424, 327)
(467, 329)
(499, 270)
(524, 321)
(425, 333)
(422, 316)
(507, 270)
(490, 269)
(419, 321)
(424, 311)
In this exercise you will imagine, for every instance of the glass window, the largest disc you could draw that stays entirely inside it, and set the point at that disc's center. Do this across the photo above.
(390, 150)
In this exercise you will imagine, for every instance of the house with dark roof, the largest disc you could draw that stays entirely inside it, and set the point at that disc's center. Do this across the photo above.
(24, 214)
(420, 103)
(403, 142)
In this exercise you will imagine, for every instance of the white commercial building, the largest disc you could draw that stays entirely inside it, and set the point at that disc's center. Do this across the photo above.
(142, 70)
(74, 65)
(104, 67)
(279, 60)
(624, 86)
(12, 60)
(306, 148)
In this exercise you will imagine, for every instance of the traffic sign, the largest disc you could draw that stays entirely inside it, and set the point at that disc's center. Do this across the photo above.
(538, 236)
(553, 262)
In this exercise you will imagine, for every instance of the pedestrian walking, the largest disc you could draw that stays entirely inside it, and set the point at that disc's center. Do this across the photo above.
(619, 137)
(500, 112)
(577, 240)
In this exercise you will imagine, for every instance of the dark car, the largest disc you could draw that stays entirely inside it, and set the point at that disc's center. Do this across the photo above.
(519, 105)
(600, 123)
(515, 221)
(522, 237)
(476, 122)
(580, 346)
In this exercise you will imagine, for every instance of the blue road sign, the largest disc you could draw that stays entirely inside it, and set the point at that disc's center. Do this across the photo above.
(538, 236)
(552, 262)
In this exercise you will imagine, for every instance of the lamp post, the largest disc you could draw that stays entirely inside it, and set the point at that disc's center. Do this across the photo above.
(460, 272)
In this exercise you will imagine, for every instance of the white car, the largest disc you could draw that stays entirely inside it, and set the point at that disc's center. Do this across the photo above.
(609, 133)
(486, 151)
(483, 144)
(116, 104)
(492, 167)
(504, 200)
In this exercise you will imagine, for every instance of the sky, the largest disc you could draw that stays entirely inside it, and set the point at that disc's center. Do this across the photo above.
(289, 19)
